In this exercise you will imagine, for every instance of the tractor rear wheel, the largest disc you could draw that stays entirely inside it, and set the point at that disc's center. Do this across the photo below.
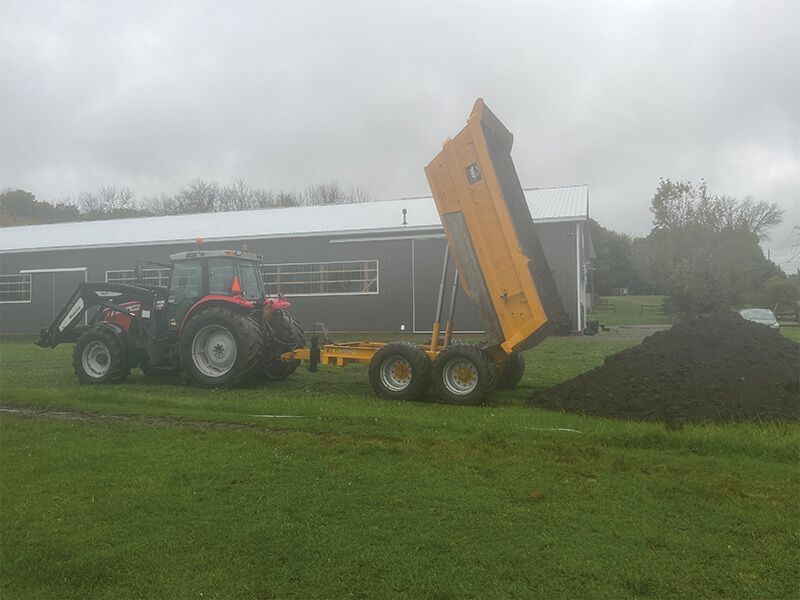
(288, 336)
(221, 347)
(400, 371)
(463, 374)
(99, 356)
(510, 373)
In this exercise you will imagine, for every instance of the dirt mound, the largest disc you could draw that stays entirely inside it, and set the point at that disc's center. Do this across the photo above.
(717, 368)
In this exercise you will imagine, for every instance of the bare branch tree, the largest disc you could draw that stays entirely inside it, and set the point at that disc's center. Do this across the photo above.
(264, 199)
(236, 196)
(160, 205)
(200, 196)
(749, 214)
(285, 199)
(90, 203)
(358, 195)
(323, 194)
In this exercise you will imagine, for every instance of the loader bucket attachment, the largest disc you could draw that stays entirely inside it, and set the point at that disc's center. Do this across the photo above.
(491, 233)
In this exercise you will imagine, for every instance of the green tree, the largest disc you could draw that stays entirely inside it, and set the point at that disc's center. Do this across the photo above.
(612, 266)
(781, 293)
(18, 207)
(703, 250)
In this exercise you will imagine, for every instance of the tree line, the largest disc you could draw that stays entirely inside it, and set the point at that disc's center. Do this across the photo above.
(702, 252)
(20, 207)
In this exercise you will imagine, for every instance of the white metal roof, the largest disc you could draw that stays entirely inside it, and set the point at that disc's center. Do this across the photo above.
(546, 204)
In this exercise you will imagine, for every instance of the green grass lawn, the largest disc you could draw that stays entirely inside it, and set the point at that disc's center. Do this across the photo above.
(627, 310)
(793, 333)
(164, 490)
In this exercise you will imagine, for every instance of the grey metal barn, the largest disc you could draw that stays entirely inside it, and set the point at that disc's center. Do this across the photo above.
(356, 267)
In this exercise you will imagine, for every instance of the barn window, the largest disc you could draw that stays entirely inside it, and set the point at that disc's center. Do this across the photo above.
(15, 288)
(322, 279)
(149, 276)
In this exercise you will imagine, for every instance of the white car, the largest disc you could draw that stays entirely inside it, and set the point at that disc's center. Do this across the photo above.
(760, 315)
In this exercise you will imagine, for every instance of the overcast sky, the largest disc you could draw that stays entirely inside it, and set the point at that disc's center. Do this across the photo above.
(287, 94)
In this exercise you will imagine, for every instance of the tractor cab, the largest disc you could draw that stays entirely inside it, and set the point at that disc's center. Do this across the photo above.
(202, 276)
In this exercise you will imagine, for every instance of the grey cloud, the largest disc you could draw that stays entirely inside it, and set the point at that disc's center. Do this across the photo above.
(283, 95)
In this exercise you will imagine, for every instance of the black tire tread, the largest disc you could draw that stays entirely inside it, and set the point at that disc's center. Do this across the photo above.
(249, 349)
(119, 361)
(510, 373)
(487, 375)
(286, 328)
(420, 369)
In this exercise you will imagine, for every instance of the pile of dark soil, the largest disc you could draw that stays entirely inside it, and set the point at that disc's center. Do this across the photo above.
(716, 368)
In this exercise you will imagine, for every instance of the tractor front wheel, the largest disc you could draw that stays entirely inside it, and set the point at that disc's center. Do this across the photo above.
(463, 375)
(99, 356)
(400, 371)
(221, 347)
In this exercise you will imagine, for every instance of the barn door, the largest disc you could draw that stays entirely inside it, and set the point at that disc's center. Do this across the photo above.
(50, 290)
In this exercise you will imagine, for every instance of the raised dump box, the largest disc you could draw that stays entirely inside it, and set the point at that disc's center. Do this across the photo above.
(490, 231)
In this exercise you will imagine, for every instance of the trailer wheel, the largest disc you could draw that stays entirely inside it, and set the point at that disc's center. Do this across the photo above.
(510, 373)
(400, 371)
(221, 347)
(99, 356)
(463, 374)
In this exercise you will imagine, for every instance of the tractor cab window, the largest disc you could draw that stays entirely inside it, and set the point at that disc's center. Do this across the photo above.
(221, 272)
(251, 281)
(185, 282)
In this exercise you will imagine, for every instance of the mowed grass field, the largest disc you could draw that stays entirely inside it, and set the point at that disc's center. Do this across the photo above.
(313, 487)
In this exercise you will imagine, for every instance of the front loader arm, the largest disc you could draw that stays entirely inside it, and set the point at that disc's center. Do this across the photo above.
(65, 327)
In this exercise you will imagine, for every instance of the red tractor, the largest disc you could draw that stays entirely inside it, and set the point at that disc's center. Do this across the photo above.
(214, 321)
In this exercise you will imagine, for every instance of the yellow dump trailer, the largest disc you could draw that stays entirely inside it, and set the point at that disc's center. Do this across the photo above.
(499, 263)
(490, 231)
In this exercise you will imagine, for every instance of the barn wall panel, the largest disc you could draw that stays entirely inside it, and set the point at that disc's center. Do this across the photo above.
(392, 307)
